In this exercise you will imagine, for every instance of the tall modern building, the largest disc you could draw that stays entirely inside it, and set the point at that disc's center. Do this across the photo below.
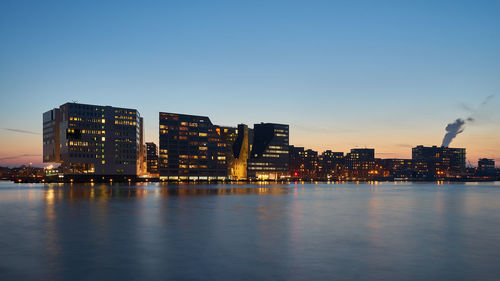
(438, 162)
(93, 140)
(152, 158)
(269, 157)
(191, 148)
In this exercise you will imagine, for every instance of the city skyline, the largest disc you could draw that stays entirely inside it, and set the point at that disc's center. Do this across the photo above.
(342, 75)
(103, 143)
(20, 159)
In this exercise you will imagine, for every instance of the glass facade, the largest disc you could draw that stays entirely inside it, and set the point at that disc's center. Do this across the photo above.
(92, 139)
(152, 158)
(438, 162)
(269, 156)
(191, 148)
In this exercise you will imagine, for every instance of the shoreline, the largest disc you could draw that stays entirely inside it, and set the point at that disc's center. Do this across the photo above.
(157, 180)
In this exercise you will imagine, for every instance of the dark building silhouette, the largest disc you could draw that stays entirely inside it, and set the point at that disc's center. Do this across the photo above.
(239, 141)
(191, 148)
(486, 167)
(94, 140)
(297, 162)
(397, 168)
(269, 157)
(438, 162)
(52, 120)
(361, 164)
(311, 161)
(331, 165)
(303, 163)
(152, 158)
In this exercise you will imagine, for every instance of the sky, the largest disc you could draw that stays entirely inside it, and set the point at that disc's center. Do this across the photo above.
(388, 75)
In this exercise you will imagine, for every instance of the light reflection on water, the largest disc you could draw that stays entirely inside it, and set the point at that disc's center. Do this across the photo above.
(315, 231)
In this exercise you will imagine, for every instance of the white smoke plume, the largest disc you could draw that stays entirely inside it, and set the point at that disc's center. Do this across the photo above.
(453, 129)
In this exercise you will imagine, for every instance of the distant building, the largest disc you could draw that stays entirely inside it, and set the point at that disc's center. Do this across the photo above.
(397, 168)
(486, 167)
(438, 162)
(331, 165)
(303, 163)
(191, 148)
(239, 141)
(297, 164)
(152, 158)
(4, 173)
(93, 140)
(361, 164)
(269, 156)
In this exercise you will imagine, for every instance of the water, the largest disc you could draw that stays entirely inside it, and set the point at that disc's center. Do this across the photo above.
(379, 231)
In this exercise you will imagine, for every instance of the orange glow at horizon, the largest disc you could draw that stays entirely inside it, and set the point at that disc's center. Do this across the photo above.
(20, 149)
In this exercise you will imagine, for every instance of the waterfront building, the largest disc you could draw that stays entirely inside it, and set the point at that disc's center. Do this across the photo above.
(94, 140)
(296, 162)
(486, 167)
(239, 141)
(331, 165)
(143, 169)
(361, 164)
(152, 158)
(191, 148)
(269, 157)
(397, 168)
(303, 163)
(438, 162)
(5, 173)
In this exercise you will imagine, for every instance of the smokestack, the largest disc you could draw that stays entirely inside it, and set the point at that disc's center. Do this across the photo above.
(453, 129)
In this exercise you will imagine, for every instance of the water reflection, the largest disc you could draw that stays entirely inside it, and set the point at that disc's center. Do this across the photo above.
(103, 191)
(314, 231)
(51, 233)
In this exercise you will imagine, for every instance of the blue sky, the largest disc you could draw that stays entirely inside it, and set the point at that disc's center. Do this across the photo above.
(343, 74)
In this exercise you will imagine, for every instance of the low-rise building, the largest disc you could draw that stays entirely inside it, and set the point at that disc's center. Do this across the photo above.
(331, 165)
(486, 167)
(362, 165)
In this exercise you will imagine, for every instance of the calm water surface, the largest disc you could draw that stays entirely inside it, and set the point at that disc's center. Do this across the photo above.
(384, 231)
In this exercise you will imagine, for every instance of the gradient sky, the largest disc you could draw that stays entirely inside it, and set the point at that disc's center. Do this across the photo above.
(343, 74)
